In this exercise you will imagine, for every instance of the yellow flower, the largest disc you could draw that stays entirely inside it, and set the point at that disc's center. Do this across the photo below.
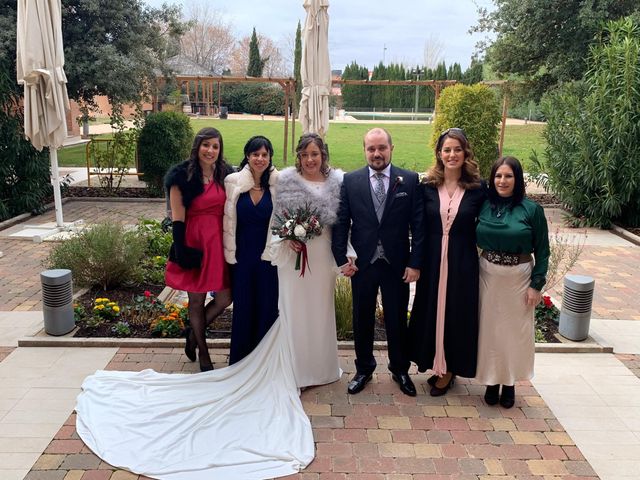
(116, 309)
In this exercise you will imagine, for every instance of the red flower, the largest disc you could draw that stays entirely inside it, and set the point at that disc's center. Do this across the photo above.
(547, 301)
(147, 293)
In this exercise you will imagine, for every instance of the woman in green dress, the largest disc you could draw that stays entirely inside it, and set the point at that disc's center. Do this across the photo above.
(513, 235)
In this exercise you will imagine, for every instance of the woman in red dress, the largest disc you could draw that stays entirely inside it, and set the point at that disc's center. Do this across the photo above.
(196, 261)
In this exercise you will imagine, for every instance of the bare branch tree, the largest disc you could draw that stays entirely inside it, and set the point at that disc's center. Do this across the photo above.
(276, 65)
(210, 40)
(433, 49)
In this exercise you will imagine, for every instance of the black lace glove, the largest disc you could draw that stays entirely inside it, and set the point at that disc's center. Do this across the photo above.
(180, 253)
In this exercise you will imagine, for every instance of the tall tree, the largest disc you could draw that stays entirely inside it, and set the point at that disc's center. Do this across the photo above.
(546, 41)
(473, 74)
(113, 48)
(454, 72)
(209, 40)
(356, 96)
(256, 62)
(297, 61)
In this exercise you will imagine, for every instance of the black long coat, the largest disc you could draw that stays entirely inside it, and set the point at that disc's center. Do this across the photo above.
(461, 311)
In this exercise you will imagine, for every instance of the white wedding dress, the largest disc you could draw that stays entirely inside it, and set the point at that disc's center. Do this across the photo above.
(309, 301)
(242, 422)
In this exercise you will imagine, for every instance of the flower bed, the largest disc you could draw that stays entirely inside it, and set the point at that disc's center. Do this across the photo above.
(135, 312)
(546, 319)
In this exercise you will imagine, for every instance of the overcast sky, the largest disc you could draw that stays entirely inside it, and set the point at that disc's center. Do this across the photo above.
(360, 30)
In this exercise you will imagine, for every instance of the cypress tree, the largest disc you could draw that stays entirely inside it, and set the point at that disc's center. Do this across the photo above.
(256, 63)
(297, 60)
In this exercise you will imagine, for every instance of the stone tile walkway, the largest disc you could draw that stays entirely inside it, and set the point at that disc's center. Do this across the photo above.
(632, 362)
(379, 434)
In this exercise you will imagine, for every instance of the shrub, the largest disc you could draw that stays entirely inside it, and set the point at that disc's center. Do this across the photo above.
(111, 158)
(254, 98)
(103, 255)
(158, 239)
(164, 141)
(24, 172)
(343, 308)
(475, 109)
(593, 153)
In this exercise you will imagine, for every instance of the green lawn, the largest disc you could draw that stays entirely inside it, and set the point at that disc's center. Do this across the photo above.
(345, 142)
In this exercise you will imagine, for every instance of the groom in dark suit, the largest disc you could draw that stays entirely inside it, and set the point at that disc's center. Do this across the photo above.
(380, 205)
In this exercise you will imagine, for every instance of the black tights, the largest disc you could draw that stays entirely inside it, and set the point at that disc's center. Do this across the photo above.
(201, 316)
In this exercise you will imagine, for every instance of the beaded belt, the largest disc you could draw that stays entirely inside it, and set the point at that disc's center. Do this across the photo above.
(503, 258)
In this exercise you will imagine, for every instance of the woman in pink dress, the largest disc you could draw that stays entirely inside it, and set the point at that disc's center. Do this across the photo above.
(196, 261)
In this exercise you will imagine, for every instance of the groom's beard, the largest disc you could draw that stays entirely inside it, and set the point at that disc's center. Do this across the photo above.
(378, 167)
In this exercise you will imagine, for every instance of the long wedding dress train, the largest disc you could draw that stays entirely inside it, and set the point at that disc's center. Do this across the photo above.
(243, 422)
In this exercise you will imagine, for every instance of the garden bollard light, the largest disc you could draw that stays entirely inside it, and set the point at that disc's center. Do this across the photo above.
(57, 301)
(575, 313)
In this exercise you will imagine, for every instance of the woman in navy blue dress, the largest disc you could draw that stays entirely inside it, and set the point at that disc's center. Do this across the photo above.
(247, 215)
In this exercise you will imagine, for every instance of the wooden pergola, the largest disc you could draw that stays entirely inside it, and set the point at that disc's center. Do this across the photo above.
(206, 85)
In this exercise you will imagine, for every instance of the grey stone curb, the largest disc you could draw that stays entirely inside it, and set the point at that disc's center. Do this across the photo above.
(168, 294)
(627, 235)
(41, 339)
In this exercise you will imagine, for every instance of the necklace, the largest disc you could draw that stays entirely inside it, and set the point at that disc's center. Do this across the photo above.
(501, 210)
(257, 188)
(207, 178)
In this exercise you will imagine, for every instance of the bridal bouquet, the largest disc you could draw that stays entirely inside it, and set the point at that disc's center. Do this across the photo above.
(300, 225)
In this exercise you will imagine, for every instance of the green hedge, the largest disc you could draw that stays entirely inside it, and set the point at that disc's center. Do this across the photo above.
(255, 98)
(165, 140)
(475, 109)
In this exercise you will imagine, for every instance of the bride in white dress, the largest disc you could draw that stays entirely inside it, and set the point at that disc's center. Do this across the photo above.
(309, 301)
(245, 421)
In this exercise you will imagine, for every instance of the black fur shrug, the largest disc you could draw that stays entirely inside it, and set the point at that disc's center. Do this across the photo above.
(190, 189)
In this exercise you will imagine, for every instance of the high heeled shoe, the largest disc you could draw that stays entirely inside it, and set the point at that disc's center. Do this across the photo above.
(492, 394)
(508, 396)
(190, 345)
(438, 391)
(206, 367)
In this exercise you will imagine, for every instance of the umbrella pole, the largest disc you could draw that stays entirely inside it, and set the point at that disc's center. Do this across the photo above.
(55, 180)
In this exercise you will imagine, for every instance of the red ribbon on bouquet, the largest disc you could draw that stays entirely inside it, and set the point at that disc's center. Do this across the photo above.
(304, 256)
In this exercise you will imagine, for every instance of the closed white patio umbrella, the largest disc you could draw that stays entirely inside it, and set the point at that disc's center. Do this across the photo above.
(40, 68)
(315, 69)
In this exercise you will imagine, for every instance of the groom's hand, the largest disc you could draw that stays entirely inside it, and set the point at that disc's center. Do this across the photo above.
(411, 275)
(349, 269)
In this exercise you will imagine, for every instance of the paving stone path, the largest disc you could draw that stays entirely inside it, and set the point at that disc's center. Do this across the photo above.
(379, 434)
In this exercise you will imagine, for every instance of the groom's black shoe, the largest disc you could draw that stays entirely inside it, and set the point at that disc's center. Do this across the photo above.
(358, 382)
(406, 385)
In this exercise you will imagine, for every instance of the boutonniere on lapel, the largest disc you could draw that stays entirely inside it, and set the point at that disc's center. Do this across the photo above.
(399, 181)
